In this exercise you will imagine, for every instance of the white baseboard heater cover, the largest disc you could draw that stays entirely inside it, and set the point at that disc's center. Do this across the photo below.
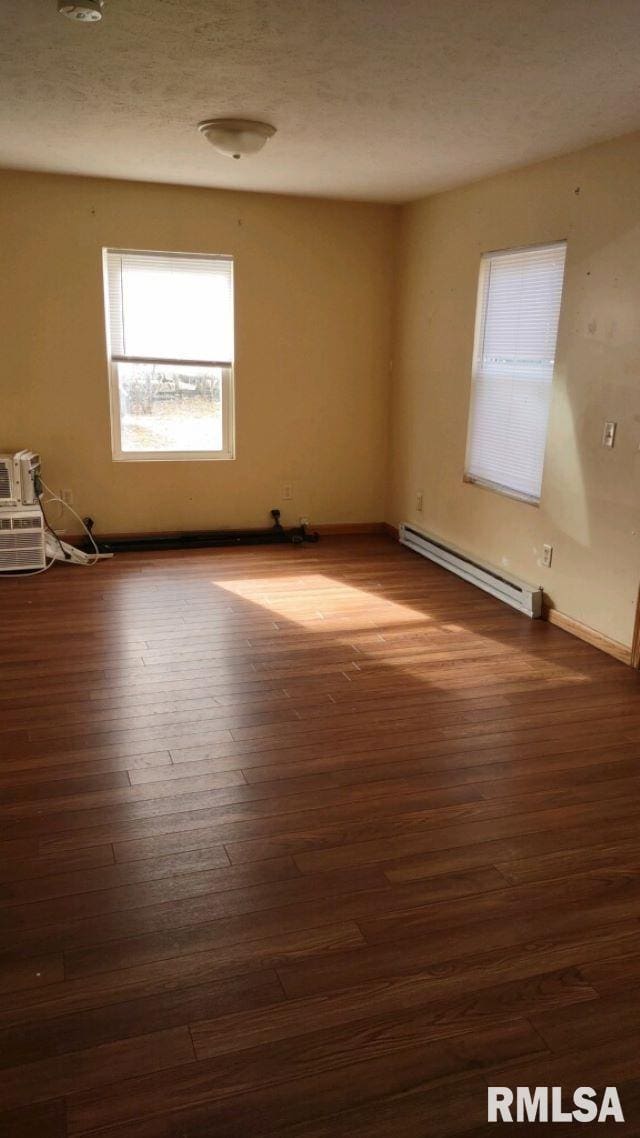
(525, 598)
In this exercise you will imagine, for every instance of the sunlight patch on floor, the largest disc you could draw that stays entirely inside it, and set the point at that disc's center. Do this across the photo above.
(310, 599)
(319, 603)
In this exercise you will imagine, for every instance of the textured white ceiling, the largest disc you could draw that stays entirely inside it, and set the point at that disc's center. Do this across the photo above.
(373, 99)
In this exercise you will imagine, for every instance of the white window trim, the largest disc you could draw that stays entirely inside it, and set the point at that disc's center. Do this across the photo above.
(482, 297)
(228, 451)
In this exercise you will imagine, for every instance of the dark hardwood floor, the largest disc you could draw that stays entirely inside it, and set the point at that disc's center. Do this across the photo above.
(315, 843)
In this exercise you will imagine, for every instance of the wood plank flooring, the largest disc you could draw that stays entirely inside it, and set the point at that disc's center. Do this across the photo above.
(307, 843)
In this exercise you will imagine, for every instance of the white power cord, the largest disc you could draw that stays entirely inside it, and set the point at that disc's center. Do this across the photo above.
(54, 498)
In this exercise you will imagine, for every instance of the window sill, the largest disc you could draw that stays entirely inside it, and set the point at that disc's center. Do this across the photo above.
(173, 456)
(504, 491)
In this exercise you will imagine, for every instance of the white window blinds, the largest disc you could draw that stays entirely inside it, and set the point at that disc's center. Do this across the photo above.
(516, 330)
(169, 307)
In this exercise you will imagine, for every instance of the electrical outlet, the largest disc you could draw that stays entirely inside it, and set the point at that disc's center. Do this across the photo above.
(304, 521)
(286, 492)
(609, 434)
(547, 554)
(419, 501)
(67, 496)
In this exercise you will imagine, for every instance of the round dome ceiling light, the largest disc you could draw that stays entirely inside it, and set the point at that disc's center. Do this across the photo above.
(86, 12)
(236, 137)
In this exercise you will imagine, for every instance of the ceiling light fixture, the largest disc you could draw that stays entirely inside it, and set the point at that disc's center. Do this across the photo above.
(236, 137)
(87, 12)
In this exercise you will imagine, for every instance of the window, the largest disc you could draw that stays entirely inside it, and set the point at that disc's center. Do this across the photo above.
(170, 344)
(517, 317)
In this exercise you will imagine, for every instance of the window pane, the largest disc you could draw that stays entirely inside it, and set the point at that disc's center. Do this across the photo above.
(522, 311)
(170, 408)
(173, 312)
(507, 433)
(164, 306)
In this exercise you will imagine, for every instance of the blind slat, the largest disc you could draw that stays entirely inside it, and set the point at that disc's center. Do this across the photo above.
(517, 319)
(172, 307)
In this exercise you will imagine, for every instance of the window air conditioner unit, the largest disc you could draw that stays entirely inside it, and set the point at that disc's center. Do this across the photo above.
(18, 474)
(22, 539)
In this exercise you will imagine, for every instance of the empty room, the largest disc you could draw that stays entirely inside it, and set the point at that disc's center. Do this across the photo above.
(319, 568)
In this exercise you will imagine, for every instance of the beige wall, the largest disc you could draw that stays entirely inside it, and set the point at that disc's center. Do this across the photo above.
(313, 302)
(590, 507)
(314, 294)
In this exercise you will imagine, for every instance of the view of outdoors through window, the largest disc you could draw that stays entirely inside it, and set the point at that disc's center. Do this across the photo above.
(166, 407)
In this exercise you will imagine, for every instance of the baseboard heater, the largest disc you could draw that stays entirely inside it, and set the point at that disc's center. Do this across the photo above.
(525, 598)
